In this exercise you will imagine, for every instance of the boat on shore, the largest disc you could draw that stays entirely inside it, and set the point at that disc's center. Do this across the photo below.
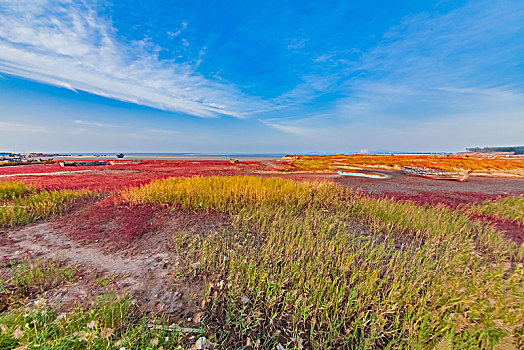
(364, 174)
(98, 162)
(119, 162)
(436, 174)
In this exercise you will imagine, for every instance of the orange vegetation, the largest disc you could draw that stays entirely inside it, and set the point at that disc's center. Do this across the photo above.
(491, 164)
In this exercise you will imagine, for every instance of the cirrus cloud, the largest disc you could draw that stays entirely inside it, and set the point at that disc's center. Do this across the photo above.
(67, 44)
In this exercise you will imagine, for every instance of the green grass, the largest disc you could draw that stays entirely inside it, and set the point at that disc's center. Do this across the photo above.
(311, 264)
(31, 278)
(39, 276)
(511, 208)
(23, 205)
(111, 323)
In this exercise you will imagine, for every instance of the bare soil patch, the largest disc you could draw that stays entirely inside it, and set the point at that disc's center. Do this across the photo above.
(399, 183)
(142, 263)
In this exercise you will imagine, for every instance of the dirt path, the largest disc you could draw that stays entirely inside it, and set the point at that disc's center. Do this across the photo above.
(147, 275)
(54, 173)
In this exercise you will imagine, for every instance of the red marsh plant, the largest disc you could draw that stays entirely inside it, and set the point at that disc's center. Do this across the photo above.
(108, 220)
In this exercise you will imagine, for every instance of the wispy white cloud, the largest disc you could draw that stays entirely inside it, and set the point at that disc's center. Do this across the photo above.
(67, 44)
(463, 47)
(297, 44)
(287, 127)
(430, 66)
(163, 131)
(95, 123)
(178, 31)
(20, 127)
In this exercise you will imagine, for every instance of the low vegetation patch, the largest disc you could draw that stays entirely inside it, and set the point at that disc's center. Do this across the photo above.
(28, 319)
(298, 266)
(311, 265)
(511, 208)
(111, 323)
(20, 205)
(28, 279)
(106, 219)
(231, 193)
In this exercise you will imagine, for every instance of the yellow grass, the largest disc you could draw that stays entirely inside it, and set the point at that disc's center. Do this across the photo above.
(312, 263)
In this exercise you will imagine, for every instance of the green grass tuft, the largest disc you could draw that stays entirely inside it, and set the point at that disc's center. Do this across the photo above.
(511, 208)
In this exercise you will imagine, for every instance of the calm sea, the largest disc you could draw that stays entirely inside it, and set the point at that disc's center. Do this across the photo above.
(181, 156)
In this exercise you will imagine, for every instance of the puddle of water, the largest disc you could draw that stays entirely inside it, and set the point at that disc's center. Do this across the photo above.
(368, 175)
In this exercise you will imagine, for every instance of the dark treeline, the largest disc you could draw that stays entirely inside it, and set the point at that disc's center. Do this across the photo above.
(514, 149)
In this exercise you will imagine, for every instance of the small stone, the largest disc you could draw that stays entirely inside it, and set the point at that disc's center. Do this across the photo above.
(280, 347)
(245, 299)
(59, 296)
(196, 317)
(203, 343)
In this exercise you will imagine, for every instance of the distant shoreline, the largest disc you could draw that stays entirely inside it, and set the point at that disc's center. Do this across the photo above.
(172, 156)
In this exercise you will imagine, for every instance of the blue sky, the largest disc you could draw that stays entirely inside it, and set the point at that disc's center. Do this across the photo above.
(268, 76)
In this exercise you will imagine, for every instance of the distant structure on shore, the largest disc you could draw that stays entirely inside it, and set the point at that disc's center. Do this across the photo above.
(500, 150)
(7, 158)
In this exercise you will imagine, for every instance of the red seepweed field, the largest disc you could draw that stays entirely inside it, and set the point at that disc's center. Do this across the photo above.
(398, 187)
(111, 177)
(236, 255)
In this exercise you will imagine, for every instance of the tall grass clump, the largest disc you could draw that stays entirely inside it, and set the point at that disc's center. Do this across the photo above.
(231, 193)
(11, 190)
(311, 265)
(38, 205)
(511, 208)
